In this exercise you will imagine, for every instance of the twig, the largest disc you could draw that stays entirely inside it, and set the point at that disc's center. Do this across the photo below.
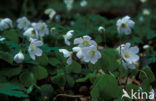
(71, 96)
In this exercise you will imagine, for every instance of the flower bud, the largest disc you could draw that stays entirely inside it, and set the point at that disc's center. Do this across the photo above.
(19, 58)
(146, 12)
(146, 46)
(101, 29)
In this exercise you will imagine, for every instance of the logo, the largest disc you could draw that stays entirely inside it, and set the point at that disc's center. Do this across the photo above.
(138, 95)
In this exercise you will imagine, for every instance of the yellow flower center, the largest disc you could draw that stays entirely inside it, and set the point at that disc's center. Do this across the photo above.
(42, 27)
(33, 32)
(85, 43)
(32, 47)
(123, 25)
(92, 52)
(70, 53)
(127, 55)
(24, 22)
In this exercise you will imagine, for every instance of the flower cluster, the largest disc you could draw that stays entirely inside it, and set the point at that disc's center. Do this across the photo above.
(128, 53)
(34, 32)
(86, 50)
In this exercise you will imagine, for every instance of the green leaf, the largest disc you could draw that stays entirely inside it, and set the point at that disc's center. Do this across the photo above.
(47, 90)
(147, 74)
(136, 40)
(108, 62)
(89, 76)
(105, 88)
(151, 34)
(39, 72)
(54, 61)
(8, 58)
(152, 59)
(46, 48)
(27, 78)
(11, 35)
(11, 90)
(70, 81)
(132, 86)
(9, 72)
(12, 45)
(43, 60)
(75, 67)
(59, 79)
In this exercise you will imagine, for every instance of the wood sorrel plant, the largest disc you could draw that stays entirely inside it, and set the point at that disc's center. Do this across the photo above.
(65, 58)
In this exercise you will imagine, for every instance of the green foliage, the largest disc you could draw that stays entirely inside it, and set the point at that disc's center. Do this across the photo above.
(9, 72)
(59, 79)
(27, 78)
(88, 76)
(11, 35)
(53, 61)
(75, 67)
(42, 79)
(47, 90)
(147, 74)
(8, 57)
(12, 90)
(105, 88)
(39, 72)
(108, 62)
(43, 60)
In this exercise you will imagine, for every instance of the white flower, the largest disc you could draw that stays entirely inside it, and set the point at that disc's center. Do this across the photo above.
(33, 24)
(91, 54)
(84, 41)
(42, 29)
(50, 12)
(146, 12)
(2, 39)
(129, 54)
(67, 54)
(69, 4)
(101, 29)
(31, 33)
(143, 1)
(79, 51)
(23, 23)
(19, 57)
(5, 24)
(68, 36)
(127, 65)
(34, 49)
(124, 25)
(120, 47)
(146, 46)
(83, 3)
